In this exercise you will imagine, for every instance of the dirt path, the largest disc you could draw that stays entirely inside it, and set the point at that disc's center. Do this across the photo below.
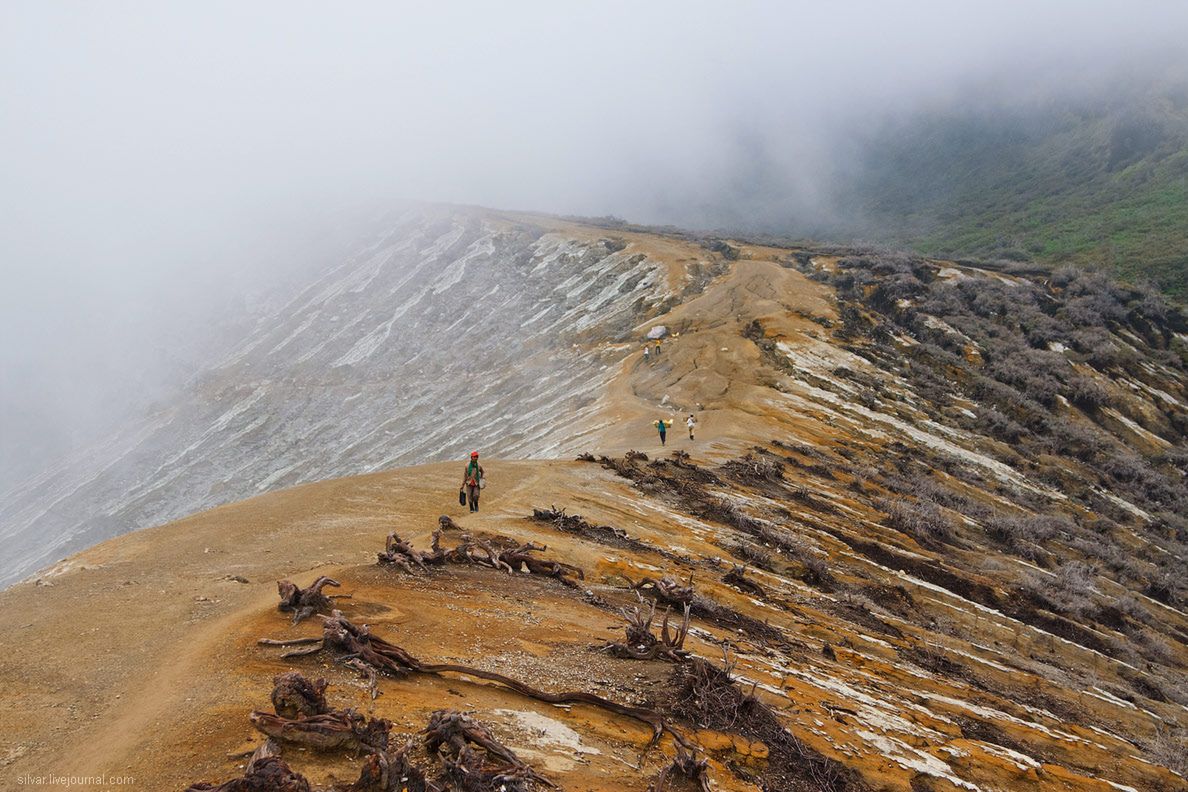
(139, 658)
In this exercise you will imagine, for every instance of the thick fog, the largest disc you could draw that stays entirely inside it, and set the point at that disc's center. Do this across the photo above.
(161, 163)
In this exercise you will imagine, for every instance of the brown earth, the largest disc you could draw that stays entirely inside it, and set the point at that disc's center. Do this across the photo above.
(138, 657)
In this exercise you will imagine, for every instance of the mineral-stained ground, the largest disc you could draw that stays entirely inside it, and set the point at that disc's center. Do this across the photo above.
(930, 535)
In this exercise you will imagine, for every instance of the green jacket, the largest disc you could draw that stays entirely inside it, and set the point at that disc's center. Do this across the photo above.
(473, 473)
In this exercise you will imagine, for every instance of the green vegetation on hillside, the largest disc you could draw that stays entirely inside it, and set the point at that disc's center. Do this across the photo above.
(1105, 186)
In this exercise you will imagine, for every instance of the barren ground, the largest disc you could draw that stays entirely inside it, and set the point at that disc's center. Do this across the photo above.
(138, 657)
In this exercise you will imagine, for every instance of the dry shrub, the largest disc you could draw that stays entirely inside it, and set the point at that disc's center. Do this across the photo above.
(1170, 747)
(923, 520)
(708, 697)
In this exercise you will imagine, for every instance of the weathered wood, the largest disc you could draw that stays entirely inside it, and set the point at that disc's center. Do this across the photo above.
(641, 644)
(336, 729)
(265, 771)
(293, 695)
(355, 642)
(472, 551)
(305, 602)
(449, 737)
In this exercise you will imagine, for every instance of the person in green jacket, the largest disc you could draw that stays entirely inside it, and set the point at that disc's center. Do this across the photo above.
(662, 427)
(472, 481)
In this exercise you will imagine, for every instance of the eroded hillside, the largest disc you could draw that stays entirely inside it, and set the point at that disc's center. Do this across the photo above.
(450, 328)
(931, 527)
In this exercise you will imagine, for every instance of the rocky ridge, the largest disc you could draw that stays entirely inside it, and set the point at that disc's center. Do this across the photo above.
(931, 528)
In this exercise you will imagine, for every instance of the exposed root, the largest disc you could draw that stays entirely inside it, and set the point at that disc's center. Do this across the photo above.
(354, 642)
(266, 772)
(449, 737)
(305, 602)
(642, 645)
(521, 558)
(755, 469)
(338, 729)
(574, 524)
(470, 759)
(402, 554)
(668, 591)
(310, 646)
(444, 523)
(303, 717)
(368, 673)
(708, 697)
(472, 551)
(602, 534)
(675, 595)
(392, 771)
(686, 765)
(294, 696)
(676, 477)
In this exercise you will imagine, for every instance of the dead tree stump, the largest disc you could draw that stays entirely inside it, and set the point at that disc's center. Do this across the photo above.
(305, 602)
(449, 737)
(265, 771)
(641, 644)
(294, 696)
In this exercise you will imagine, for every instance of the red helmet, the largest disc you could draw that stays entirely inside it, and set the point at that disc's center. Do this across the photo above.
(474, 454)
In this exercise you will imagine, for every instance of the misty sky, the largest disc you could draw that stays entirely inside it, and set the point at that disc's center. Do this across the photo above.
(159, 159)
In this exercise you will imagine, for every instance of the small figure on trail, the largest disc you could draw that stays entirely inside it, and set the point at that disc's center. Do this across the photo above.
(657, 349)
(691, 422)
(647, 353)
(662, 427)
(472, 481)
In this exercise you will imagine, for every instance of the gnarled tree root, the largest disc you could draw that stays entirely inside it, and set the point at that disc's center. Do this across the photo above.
(338, 729)
(398, 552)
(668, 591)
(303, 717)
(470, 757)
(641, 644)
(294, 696)
(392, 771)
(450, 736)
(305, 602)
(472, 551)
(685, 765)
(354, 642)
(266, 772)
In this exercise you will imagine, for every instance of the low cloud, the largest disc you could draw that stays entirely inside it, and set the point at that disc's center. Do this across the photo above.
(158, 161)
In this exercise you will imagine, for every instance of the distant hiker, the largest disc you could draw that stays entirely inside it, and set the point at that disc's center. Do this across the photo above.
(472, 481)
(691, 422)
(657, 349)
(647, 353)
(662, 427)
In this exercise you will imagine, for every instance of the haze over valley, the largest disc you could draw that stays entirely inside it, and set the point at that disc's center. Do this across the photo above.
(749, 397)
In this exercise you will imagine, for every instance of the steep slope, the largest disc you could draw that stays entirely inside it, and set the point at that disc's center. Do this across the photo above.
(959, 496)
(450, 329)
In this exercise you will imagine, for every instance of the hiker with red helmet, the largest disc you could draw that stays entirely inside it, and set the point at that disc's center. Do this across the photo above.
(472, 481)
